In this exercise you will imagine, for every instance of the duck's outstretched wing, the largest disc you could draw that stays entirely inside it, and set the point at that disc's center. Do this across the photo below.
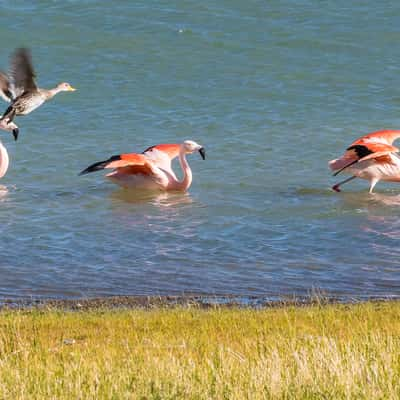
(21, 72)
(5, 87)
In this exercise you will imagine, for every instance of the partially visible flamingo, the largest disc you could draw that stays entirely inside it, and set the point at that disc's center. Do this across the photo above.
(371, 157)
(152, 168)
(9, 126)
(4, 161)
(5, 125)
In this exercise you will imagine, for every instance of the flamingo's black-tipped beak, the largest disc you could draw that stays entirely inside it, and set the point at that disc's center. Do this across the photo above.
(15, 133)
(202, 153)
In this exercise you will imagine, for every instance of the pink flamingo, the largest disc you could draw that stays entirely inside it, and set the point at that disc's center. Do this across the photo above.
(4, 161)
(371, 157)
(152, 168)
(5, 125)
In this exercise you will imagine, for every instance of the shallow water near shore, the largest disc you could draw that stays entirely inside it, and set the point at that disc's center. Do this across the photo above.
(271, 90)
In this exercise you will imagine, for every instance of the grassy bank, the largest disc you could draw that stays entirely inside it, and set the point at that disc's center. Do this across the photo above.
(330, 352)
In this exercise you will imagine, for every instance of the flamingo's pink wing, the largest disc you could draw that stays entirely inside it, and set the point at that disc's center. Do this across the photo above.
(363, 150)
(162, 155)
(124, 160)
(386, 136)
(137, 163)
(378, 150)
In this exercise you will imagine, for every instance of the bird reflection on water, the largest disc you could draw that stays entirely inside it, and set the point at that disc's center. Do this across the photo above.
(156, 198)
(158, 213)
(386, 200)
(383, 220)
(3, 192)
(380, 202)
(380, 224)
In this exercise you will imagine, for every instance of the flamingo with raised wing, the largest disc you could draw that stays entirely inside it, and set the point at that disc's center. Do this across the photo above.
(151, 169)
(371, 157)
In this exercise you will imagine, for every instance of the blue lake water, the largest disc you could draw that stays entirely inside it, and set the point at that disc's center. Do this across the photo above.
(272, 90)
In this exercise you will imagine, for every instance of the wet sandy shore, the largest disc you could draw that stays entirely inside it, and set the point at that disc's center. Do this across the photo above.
(198, 301)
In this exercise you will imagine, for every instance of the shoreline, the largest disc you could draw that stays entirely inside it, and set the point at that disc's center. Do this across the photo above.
(186, 301)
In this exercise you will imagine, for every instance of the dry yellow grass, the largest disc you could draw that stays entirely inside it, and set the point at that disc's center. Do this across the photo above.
(330, 352)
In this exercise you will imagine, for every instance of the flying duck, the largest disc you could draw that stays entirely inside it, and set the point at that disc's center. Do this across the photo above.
(19, 88)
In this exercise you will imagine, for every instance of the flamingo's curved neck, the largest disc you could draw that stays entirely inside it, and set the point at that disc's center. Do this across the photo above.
(187, 172)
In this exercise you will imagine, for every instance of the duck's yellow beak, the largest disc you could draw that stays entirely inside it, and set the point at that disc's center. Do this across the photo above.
(71, 89)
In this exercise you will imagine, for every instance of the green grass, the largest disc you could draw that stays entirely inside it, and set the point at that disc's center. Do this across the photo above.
(329, 352)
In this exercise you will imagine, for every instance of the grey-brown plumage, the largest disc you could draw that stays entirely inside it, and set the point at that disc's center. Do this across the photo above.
(20, 87)
(5, 92)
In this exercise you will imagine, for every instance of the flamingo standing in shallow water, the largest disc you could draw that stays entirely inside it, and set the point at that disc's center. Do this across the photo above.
(152, 168)
(371, 157)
